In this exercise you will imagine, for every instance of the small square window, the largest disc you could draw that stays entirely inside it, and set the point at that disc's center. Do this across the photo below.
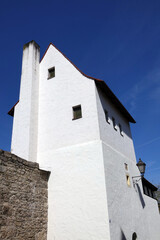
(114, 123)
(107, 116)
(120, 129)
(77, 112)
(51, 73)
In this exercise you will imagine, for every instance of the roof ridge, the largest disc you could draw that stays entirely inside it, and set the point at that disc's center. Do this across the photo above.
(69, 61)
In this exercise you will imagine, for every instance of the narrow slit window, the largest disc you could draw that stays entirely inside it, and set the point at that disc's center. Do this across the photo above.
(114, 123)
(120, 129)
(51, 72)
(128, 180)
(77, 112)
(126, 166)
(107, 116)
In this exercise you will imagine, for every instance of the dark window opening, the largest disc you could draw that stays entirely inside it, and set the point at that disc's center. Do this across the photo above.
(145, 189)
(126, 166)
(134, 236)
(51, 73)
(77, 112)
(120, 129)
(114, 123)
(106, 116)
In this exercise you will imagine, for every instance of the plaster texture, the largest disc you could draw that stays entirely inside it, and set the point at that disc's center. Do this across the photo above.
(77, 196)
(129, 209)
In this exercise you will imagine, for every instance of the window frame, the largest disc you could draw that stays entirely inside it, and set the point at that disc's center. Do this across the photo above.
(50, 73)
(74, 112)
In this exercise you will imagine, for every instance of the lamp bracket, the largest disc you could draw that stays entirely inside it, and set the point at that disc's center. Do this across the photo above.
(135, 181)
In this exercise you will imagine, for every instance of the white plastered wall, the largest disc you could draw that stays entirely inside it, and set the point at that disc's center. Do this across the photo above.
(76, 193)
(129, 209)
(57, 96)
(72, 151)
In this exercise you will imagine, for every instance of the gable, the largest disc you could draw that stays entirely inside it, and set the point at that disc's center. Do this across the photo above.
(99, 83)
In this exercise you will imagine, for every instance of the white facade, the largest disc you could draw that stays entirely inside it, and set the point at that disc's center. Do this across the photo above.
(88, 194)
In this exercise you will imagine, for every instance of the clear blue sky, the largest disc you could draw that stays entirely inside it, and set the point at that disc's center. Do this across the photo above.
(117, 41)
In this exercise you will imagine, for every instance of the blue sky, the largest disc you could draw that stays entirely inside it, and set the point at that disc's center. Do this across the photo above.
(117, 41)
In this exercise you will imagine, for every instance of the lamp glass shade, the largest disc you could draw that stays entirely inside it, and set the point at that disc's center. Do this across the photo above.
(141, 166)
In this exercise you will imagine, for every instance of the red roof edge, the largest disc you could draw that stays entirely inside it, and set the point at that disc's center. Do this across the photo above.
(69, 61)
(46, 51)
(11, 111)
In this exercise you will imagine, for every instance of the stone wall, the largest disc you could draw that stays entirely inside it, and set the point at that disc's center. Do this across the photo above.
(23, 199)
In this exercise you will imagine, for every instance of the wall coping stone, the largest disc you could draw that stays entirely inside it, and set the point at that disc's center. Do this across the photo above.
(14, 158)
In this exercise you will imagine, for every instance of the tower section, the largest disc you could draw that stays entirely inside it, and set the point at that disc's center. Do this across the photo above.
(69, 147)
(25, 125)
(128, 207)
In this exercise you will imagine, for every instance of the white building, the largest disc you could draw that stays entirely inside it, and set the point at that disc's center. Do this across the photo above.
(74, 126)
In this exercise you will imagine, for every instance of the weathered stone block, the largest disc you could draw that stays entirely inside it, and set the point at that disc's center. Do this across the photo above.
(2, 169)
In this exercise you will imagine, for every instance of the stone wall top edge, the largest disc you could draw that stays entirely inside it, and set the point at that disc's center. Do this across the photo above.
(12, 157)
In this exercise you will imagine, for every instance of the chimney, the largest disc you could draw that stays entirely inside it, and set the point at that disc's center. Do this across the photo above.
(30, 69)
(25, 127)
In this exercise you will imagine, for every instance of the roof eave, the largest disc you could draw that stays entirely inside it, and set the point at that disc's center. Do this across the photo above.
(149, 184)
(103, 86)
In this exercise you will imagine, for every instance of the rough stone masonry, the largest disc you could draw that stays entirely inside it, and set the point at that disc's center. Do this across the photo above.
(23, 199)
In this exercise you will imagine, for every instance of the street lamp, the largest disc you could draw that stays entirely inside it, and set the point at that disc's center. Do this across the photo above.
(141, 166)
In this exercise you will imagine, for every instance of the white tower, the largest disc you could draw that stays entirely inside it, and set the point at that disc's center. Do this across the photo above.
(74, 126)
(24, 136)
